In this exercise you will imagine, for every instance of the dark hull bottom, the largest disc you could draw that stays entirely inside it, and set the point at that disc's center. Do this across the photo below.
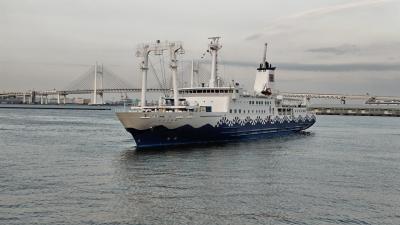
(161, 136)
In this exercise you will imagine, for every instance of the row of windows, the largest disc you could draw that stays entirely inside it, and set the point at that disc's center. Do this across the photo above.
(206, 91)
(299, 110)
(281, 111)
(250, 111)
(259, 102)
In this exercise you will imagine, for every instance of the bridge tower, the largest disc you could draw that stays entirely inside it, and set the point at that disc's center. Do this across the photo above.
(98, 70)
(194, 72)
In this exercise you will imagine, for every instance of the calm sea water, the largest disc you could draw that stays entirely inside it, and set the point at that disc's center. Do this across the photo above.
(80, 167)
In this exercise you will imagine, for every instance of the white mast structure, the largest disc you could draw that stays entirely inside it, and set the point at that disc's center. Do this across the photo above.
(214, 46)
(158, 48)
(174, 49)
(143, 52)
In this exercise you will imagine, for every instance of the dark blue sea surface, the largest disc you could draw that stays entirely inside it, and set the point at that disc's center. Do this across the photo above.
(81, 167)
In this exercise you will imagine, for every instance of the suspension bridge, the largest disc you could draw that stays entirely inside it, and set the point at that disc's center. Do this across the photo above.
(99, 80)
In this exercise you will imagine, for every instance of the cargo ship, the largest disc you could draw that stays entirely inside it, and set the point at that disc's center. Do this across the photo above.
(215, 111)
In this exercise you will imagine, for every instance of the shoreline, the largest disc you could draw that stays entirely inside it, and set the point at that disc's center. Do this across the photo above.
(65, 107)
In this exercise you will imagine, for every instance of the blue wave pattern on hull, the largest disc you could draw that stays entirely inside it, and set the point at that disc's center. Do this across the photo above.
(225, 130)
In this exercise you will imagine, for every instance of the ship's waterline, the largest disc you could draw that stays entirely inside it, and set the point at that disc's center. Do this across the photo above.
(176, 131)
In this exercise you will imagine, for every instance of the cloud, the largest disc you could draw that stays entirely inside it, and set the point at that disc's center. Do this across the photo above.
(337, 50)
(388, 50)
(284, 23)
(10, 62)
(346, 67)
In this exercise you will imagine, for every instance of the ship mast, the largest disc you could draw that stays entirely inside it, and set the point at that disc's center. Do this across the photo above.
(144, 50)
(213, 48)
(174, 49)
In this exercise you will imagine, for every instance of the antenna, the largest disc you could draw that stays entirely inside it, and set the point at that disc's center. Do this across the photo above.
(265, 53)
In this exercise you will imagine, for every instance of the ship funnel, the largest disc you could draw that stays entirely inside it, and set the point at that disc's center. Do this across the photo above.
(265, 77)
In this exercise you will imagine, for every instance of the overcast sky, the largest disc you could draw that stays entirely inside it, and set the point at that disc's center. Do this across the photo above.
(350, 46)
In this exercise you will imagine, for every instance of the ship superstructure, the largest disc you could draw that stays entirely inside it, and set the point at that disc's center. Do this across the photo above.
(213, 112)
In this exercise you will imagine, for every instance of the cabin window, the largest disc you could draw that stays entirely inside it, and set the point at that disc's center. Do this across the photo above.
(237, 91)
(212, 91)
(240, 111)
(216, 91)
(230, 111)
(235, 111)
